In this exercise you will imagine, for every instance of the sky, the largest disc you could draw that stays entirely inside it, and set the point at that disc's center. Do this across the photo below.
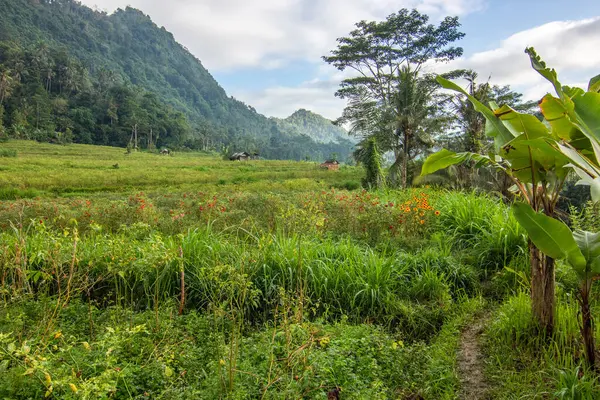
(267, 53)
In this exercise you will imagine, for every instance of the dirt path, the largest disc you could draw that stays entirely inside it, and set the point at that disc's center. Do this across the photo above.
(470, 362)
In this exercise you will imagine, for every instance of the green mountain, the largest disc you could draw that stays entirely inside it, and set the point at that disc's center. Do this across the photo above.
(320, 129)
(68, 72)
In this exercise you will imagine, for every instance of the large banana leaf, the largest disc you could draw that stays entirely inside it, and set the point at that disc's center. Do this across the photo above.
(587, 114)
(574, 109)
(519, 123)
(594, 85)
(555, 113)
(589, 244)
(530, 149)
(550, 235)
(445, 158)
(494, 128)
(549, 73)
(584, 168)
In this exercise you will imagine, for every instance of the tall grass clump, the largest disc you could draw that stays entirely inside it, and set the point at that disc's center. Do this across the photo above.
(461, 279)
(523, 360)
(482, 226)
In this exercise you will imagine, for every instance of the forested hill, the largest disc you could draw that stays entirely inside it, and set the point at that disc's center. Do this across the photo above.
(68, 72)
(314, 125)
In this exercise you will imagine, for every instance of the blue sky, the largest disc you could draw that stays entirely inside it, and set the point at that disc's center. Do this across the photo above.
(499, 19)
(267, 52)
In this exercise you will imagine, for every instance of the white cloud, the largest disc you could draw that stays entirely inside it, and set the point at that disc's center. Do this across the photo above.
(568, 46)
(281, 101)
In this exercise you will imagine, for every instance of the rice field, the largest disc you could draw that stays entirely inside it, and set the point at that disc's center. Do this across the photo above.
(175, 277)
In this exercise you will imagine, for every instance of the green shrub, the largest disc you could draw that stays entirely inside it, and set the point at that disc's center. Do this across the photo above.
(12, 193)
(459, 278)
(348, 185)
(429, 285)
(3, 133)
(8, 152)
(587, 218)
(371, 159)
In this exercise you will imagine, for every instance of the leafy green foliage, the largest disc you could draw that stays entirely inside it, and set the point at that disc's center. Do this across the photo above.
(549, 235)
(280, 286)
(371, 159)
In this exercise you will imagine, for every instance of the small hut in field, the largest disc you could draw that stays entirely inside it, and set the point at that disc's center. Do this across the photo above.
(332, 165)
(243, 156)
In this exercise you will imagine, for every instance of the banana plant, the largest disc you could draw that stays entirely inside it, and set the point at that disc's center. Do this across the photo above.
(580, 249)
(526, 149)
(537, 156)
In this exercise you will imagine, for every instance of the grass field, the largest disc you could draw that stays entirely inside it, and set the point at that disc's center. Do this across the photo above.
(192, 277)
(43, 169)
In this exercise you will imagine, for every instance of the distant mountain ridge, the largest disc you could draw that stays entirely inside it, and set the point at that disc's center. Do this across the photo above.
(319, 128)
(128, 46)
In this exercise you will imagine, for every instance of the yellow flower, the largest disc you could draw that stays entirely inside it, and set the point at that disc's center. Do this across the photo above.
(73, 387)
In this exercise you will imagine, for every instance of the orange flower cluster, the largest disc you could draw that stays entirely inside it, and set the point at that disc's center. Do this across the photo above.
(366, 213)
(419, 206)
(417, 203)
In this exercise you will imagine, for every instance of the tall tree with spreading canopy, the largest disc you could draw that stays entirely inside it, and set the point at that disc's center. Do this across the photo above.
(389, 98)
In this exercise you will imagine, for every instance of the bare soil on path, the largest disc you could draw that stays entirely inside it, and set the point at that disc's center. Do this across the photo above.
(470, 362)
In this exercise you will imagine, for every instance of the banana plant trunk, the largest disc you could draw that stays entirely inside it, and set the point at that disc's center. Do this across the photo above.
(542, 289)
(587, 331)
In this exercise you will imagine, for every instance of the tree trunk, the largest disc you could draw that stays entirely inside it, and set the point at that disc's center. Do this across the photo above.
(542, 288)
(394, 178)
(404, 171)
(406, 151)
(586, 326)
